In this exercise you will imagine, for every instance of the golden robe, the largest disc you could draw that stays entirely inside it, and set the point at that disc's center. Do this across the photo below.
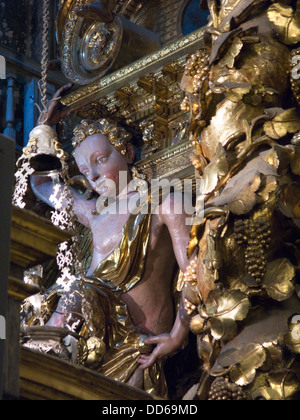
(106, 315)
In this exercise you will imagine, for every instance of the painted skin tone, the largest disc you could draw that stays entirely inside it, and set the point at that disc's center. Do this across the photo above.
(150, 302)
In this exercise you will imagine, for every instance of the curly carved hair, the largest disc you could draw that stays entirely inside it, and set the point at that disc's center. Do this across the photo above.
(116, 134)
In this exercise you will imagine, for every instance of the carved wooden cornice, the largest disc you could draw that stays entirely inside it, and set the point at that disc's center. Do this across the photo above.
(46, 377)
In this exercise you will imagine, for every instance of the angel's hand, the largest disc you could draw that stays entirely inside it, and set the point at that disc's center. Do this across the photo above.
(56, 110)
(166, 345)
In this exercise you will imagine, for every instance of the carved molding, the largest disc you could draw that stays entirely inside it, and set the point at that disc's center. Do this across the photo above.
(169, 163)
(133, 72)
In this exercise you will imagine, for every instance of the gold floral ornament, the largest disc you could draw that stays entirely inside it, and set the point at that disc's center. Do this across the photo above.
(116, 135)
(221, 312)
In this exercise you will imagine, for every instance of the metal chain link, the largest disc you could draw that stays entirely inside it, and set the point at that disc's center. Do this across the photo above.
(45, 54)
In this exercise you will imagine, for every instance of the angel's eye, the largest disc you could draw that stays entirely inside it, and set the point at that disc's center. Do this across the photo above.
(101, 160)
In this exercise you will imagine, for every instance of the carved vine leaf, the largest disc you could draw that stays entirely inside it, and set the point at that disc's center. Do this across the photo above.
(240, 195)
(236, 91)
(222, 310)
(286, 22)
(284, 383)
(278, 281)
(281, 385)
(284, 122)
(251, 357)
(222, 329)
(222, 42)
(232, 53)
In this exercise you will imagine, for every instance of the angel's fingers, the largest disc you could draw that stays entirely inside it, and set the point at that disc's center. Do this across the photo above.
(147, 361)
(62, 90)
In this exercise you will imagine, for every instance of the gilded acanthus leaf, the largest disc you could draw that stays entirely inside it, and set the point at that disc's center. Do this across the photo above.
(284, 122)
(278, 281)
(286, 22)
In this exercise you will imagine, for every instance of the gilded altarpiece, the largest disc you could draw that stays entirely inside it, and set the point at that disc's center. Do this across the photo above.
(220, 104)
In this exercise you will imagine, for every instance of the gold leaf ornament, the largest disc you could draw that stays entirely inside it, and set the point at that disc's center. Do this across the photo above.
(284, 122)
(278, 281)
(197, 324)
(236, 91)
(251, 357)
(222, 310)
(281, 385)
(233, 52)
(241, 363)
(286, 22)
(285, 383)
(217, 169)
(222, 329)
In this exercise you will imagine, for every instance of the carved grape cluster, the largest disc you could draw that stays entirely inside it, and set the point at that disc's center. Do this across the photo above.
(222, 390)
(255, 237)
(196, 67)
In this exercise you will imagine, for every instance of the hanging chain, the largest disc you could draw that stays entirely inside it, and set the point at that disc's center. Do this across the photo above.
(45, 54)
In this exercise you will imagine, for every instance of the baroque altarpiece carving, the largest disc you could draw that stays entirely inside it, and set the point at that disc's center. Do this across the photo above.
(220, 104)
